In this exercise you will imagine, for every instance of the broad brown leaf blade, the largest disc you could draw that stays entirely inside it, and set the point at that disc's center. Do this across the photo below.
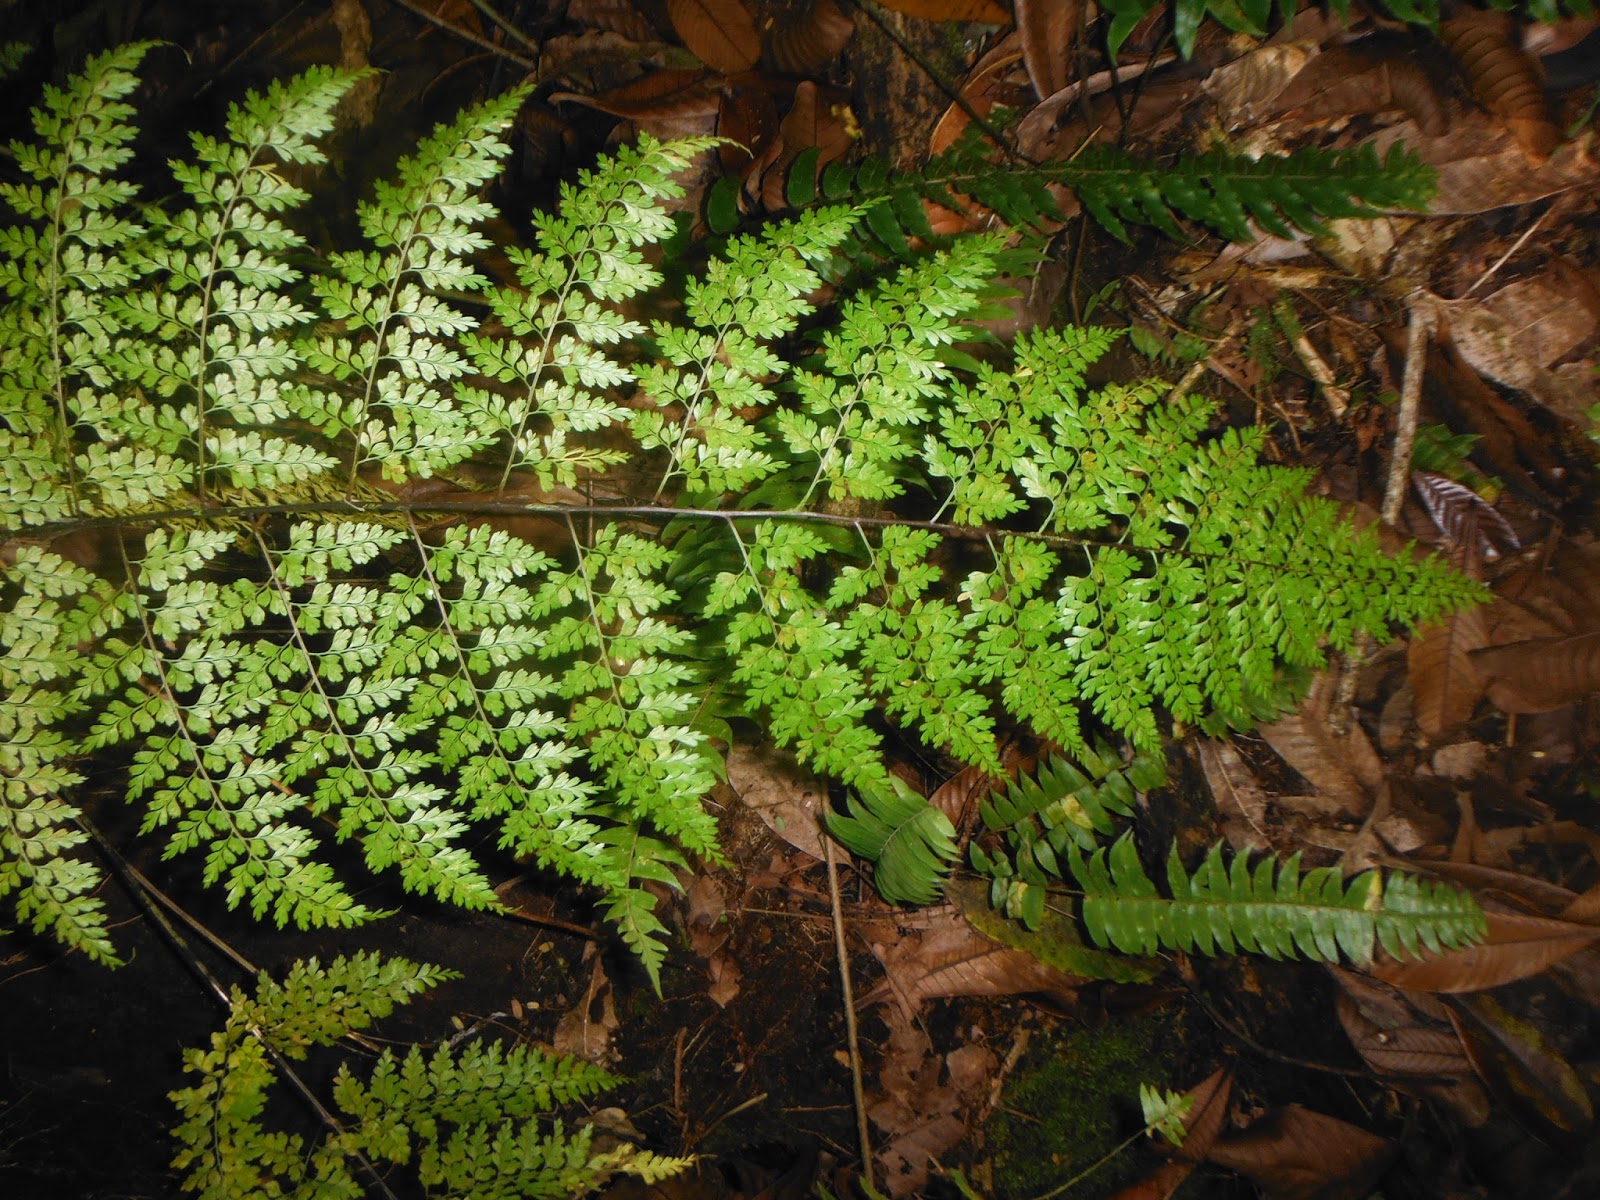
(1344, 768)
(1240, 801)
(1445, 684)
(1391, 1036)
(1516, 946)
(1293, 1153)
(1521, 1069)
(951, 958)
(806, 39)
(1542, 674)
(1049, 29)
(661, 94)
(984, 12)
(720, 33)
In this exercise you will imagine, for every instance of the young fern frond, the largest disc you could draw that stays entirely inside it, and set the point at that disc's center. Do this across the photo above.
(1269, 909)
(468, 1122)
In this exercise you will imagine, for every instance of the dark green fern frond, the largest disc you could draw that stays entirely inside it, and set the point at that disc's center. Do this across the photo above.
(1221, 190)
(1269, 909)
(1063, 804)
(911, 842)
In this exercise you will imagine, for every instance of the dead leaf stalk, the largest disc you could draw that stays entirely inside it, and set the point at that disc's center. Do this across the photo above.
(467, 35)
(852, 1035)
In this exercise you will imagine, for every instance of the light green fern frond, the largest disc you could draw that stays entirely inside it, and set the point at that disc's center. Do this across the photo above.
(468, 1121)
(1267, 909)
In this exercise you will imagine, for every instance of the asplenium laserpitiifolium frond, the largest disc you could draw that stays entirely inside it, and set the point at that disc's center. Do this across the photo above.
(473, 1120)
(294, 601)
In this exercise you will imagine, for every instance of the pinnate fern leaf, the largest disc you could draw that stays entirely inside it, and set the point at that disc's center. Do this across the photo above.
(1269, 909)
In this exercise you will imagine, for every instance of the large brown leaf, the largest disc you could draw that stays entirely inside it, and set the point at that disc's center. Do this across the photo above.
(661, 94)
(1049, 30)
(1293, 1153)
(720, 33)
(1372, 77)
(1344, 768)
(948, 957)
(1444, 682)
(1516, 947)
(1521, 1069)
(1542, 674)
(808, 37)
(1240, 802)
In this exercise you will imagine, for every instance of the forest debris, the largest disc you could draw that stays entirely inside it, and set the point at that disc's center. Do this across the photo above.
(1294, 1153)
(1520, 1068)
(708, 936)
(1344, 768)
(912, 1106)
(585, 1030)
(790, 801)
(720, 33)
(1240, 801)
(1049, 33)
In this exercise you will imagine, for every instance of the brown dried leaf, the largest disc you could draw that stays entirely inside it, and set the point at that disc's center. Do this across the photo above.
(1293, 1153)
(1445, 685)
(1520, 1068)
(807, 38)
(789, 800)
(1481, 167)
(1205, 1118)
(1344, 769)
(1504, 79)
(984, 12)
(1543, 674)
(1049, 31)
(816, 118)
(1240, 802)
(1367, 77)
(585, 1030)
(748, 118)
(1391, 1036)
(626, 17)
(658, 95)
(720, 33)
(1517, 946)
(948, 957)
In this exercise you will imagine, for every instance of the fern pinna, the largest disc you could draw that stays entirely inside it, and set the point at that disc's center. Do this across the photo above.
(291, 597)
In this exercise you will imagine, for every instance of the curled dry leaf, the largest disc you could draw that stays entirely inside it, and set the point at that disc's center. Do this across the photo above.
(1049, 32)
(1371, 76)
(1344, 768)
(1445, 685)
(1480, 166)
(948, 957)
(1520, 1068)
(1516, 946)
(1293, 1153)
(1504, 79)
(656, 96)
(808, 37)
(720, 33)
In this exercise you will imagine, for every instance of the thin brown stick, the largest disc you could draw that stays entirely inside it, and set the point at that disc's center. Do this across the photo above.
(1419, 331)
(467, 35)
(852, 1038)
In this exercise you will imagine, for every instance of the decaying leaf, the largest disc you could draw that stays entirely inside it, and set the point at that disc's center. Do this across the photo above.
(656, 96)
(807, 37)
(1445, 685)
(1293, 1153)
(1049, 32)
(1520, 1068)
(585, 1030)
(791, 801)
(1370, 76)
(1504, 78)
(1516, 946)
(1542, 674)
(1344, 768)
(720, 33)
(946, 956)
(1241, 804)
(913, 1106)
